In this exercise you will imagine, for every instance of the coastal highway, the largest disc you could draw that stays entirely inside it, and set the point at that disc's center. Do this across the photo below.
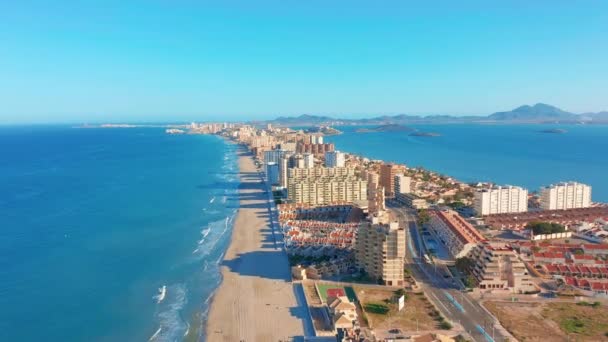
(445, 292)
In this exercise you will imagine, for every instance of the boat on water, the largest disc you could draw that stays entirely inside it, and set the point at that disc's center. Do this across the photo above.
(162, 292)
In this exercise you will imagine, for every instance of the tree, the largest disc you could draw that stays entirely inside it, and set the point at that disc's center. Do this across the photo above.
(423, 217)
(545, 227)
(464, 264)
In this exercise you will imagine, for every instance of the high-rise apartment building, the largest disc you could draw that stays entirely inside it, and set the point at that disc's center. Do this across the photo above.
(272, 173)
(500, 200)
(375, 193)
(567, 195)
(387, 179)
(309, 160)
(402, 184)
(322, 186)
(334, 159)
(380, 250)
(274, 156)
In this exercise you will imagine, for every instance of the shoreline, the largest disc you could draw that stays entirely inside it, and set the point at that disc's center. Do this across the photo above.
(255, 300)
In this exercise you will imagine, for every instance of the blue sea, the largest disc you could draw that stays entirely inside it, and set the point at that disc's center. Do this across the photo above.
(94, 221)
(504, 154)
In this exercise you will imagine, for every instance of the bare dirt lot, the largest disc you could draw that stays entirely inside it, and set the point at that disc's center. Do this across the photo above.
(417, 308)
(557, 321)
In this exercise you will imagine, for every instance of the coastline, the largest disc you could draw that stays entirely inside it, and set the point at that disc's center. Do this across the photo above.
(255, 300)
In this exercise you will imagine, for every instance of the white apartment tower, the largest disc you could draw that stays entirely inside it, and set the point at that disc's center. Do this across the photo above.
(501, 200)
(334, 159)
(309, 160)
(566, 195)
(402, 184)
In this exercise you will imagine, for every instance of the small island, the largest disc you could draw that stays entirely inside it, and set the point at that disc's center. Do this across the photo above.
(554, 131)
(385, 128)
(425, 134)
(325, 130)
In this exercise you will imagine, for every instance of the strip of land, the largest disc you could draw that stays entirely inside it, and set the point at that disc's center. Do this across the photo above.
(256, 300)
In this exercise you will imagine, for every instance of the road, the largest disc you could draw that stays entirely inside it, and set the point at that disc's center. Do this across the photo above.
(446, 293)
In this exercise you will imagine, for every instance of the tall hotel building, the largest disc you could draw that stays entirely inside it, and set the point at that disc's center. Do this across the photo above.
(568, 195)
(322, 186)
(501, 200)
(387, 179)
(334, 159)
(380, 250)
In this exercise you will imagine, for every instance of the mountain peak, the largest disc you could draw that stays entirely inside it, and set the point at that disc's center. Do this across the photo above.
(540, 111)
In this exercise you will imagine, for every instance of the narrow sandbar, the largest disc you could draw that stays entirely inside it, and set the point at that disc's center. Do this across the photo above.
(256, 300)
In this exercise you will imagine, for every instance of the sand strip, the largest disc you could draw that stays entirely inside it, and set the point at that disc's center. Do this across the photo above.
(256, 300)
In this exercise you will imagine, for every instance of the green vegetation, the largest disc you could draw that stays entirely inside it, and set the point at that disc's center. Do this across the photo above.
(398, 293)
(445, 325)
(593, 305)
(545, 227)
(469, 281)
(376, 308)
(464, 264)
(295, 260)
(456, 205)
(573, 325)
(423, 217)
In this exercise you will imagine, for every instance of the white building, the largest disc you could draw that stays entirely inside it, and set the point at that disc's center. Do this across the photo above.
(402, 184)
(566, 195)
(334, 159)
(309, 160)
(500, 200)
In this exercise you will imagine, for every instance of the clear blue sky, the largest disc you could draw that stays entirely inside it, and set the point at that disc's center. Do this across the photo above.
(92, 61)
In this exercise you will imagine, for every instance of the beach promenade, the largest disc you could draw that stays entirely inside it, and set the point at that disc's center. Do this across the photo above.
(256, 300)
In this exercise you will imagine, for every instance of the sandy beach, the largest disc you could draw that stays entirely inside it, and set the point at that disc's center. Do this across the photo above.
(256, 300)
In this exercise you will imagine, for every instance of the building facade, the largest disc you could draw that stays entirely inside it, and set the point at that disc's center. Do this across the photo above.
(274, 156)
(272, 173)
(402, 184)
(322, 186)
(412, 201)
(380, 250)
(459, 236)
(501, 200)
(497, 266)
(567, 195)
(334, 159)
(387, 179)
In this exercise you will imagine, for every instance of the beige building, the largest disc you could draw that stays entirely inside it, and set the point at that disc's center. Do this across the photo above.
(321, 186)
(567, 195)
(412, 201)
(402, 184)
(380, 250)
(501, 200)
(375, 193)
(497, 266)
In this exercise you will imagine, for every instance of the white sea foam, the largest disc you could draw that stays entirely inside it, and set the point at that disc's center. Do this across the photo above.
(156, 334)
(172, 326)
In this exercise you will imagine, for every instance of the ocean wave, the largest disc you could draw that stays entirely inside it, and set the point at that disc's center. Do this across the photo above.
(171, 325)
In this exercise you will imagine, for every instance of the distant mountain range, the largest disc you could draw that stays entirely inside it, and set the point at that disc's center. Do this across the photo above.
(539, 113)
